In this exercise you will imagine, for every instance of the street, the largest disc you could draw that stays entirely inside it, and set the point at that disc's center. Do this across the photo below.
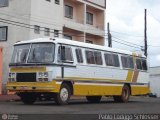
(137, 105)
(81, 106)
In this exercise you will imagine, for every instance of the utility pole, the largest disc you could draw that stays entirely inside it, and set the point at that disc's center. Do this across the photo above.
(109, 37)
(145, 33)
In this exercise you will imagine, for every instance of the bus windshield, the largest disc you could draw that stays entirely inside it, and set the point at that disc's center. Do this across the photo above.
(33, 53)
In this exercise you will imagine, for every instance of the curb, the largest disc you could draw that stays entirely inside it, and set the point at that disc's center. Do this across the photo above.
(4, 98)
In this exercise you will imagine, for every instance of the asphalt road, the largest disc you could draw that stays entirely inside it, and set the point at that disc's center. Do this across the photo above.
(136, 105)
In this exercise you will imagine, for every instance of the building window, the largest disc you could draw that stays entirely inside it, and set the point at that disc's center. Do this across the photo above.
(3, 33)
(56, 33)
(89, 18)
(89, 41)
(4, 3)
(57, 2)
(79, 55)
(37, 29)
(67, 37)
(69, 11)
(46, 31)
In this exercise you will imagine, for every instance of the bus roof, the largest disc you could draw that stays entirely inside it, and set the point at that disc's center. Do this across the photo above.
(75, 43)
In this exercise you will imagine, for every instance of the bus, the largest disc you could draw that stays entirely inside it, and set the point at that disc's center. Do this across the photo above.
(57, 69)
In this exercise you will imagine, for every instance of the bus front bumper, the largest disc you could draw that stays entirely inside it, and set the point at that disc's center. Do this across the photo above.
(32, 87)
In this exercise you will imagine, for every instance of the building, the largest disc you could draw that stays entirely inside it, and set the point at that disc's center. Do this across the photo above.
(155, 80)
(81, 20)
(1, 49)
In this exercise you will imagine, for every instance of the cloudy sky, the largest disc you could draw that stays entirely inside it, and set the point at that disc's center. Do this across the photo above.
(126, 18)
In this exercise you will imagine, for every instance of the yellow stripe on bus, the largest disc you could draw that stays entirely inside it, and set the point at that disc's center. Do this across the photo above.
(28, 69)
(129, 76)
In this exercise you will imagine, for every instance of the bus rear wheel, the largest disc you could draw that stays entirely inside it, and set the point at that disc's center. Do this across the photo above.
(94, 99)
(63, 97)
(124, 97)
(28, 98)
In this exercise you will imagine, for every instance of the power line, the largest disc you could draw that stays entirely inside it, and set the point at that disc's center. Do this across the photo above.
(56, 24)
(126, 41)
(24, 25)
(20, 17)
(30, 27)
(125, 44)
(154, 17)
(16, 24)
(153, 46)
(126, 34)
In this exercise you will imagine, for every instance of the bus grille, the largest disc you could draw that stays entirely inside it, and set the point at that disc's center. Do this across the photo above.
(26, 77)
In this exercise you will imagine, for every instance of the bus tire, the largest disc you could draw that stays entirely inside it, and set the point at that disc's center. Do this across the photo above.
(124, 97)
(94, 99)
(28, 98)
(63, 97)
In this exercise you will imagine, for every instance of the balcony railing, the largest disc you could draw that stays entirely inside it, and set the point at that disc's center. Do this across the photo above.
(101, 3)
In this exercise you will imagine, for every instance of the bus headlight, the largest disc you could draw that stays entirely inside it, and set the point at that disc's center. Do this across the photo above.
(46, 74)
(12, 77)
(42, 76)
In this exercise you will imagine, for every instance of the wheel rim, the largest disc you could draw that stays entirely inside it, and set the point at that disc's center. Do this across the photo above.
(64, 94)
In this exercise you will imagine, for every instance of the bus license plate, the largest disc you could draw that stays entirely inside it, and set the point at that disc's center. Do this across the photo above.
(24, 88)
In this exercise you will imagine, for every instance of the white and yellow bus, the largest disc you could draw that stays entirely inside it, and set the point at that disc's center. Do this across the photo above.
(59, 68)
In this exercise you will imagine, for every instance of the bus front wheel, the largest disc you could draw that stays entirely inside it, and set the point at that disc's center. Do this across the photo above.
(124, 97)
(94, 99)
(63, 97)
(28, 98)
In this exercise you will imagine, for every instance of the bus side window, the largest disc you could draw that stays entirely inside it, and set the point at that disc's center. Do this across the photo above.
(116, 60)
(79, 55)
(144, 64)
(65, 54)
(141, 64)
(127, 62)
(138, 64)
(98, 58)
(90, 57)
(111, 60)
(108, 59)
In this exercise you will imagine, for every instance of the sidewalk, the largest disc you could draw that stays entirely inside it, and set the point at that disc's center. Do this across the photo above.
(9, 98)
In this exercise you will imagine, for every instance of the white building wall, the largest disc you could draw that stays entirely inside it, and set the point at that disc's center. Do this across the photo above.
(15, 33)
(44, 14)
(155, 81)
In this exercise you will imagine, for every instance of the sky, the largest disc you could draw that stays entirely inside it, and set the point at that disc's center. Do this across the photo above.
(126, 18)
